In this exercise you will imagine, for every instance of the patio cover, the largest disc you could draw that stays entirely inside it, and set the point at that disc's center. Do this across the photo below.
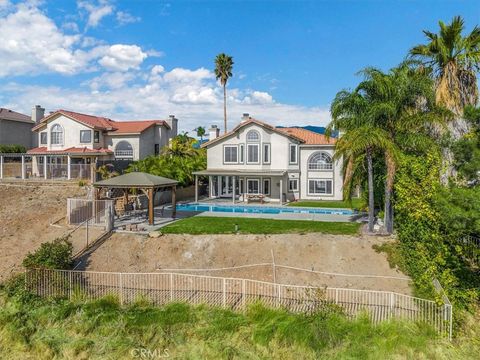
(241, 172)
(146, 182)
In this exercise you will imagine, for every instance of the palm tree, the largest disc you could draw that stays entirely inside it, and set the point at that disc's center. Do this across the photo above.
(200, 132)
(454, 59)
(223, 71)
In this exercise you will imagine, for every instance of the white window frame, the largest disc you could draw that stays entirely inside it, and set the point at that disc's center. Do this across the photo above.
(46, 138)
(241, 150)
(85, 142)
(319, 193)
(258, 154)
(224, 154)
(292, 181)
(58, 139)
(268, 180)
(252, 131)
(290, 154)
(258, 186)
(316, 166)
(266, 153)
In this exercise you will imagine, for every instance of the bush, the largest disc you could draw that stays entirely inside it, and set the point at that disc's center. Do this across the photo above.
(13, 149)
(51, 255)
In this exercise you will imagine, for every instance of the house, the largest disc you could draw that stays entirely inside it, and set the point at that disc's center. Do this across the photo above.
(278, 163)
(16, 129)
(69, 141)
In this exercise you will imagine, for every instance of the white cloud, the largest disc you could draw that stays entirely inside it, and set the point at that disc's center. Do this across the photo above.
(96, 12)
(181, 75)
(124, 18)
(121, 57)
(110, 80)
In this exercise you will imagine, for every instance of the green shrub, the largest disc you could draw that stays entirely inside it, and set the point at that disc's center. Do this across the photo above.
(51, 255)
(13, 149)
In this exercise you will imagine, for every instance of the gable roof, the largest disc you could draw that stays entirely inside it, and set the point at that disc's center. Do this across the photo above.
(105, 124)
(302, 135)
(7, 114)
(248, 122)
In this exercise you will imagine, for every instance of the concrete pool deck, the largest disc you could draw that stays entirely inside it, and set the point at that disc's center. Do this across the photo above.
(281, 216)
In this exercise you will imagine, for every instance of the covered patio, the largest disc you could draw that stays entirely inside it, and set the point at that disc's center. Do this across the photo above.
(243, 185)
(146, 183)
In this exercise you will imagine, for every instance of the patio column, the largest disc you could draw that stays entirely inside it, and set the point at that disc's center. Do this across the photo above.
(150, 206)
(174, 201)
(219, 186)
(210, 186)
(196, 188)
(45, 167)
(281, 190)
(1, 167)
(69, 165)
(233, 189)
(23, 167)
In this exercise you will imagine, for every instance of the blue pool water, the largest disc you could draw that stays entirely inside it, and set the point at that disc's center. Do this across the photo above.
(260, 209)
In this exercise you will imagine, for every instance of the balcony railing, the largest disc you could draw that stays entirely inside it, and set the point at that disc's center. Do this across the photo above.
(320, 166)
(124, 153)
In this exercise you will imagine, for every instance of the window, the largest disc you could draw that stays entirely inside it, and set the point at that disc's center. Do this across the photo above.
(124, 150)
(293, 185)
(56, 135)
(43, 138)
(253, 154)
(319, 187)
(242, 153)
(266, 186)
(96, 137)
(320, 161)
(157, 149)
(253, 136)
(230, 154)
(293, 154)
(86, 136)
(253, 186)
(266, 153)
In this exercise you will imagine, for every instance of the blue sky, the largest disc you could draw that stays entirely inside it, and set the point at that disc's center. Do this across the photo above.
(149, 59)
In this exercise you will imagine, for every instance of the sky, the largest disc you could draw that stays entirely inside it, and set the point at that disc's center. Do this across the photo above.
(130, 60)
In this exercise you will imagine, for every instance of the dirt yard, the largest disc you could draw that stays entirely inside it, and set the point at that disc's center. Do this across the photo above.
(326, 253)
(26, 212)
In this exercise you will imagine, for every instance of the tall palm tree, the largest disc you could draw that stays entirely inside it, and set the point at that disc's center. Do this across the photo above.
(223, 71)
(200, 132)
(454, 59)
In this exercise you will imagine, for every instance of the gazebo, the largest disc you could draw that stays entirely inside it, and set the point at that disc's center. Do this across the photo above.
(147, 183)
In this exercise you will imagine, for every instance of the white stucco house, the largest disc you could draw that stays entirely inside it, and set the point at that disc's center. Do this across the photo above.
(69, 141)
(279, 163)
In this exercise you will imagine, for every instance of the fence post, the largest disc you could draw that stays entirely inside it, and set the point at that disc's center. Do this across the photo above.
(70, 285)
(243, 294)
(171, 287)
(336, 296)
(86, 234)
(224, 293)
(392, 304)
(278, 295)
(121, 288)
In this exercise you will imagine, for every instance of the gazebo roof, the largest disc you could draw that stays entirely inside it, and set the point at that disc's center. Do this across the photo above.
(136, 180)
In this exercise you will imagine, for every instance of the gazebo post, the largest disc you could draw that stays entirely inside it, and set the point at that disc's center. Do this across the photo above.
(174, 201)
(150, 206)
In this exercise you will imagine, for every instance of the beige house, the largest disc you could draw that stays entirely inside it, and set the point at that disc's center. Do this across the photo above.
(278, 163)
(68, 142)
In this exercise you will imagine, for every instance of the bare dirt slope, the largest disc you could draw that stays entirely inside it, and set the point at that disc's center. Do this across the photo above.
(26, 212)
(327, 253)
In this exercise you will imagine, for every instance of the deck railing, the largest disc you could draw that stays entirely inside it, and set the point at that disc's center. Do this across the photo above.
(236, 294)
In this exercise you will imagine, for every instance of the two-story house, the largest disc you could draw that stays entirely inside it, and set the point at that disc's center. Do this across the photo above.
(281, 163)
(67, 141)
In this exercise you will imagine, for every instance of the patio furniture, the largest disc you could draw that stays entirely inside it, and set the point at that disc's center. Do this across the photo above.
(255, 197)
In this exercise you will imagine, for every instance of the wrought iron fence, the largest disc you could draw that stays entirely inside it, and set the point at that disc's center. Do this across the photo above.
(236, 294)
(471, 249)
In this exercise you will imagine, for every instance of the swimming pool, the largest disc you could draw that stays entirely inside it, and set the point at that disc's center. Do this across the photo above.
(259, 209)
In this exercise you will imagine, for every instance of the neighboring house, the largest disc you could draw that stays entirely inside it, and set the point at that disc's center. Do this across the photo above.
(16, 129)
(68, 141)
(281, 163)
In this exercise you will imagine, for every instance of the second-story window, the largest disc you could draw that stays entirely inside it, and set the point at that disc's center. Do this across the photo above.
(43, 138)
(96, 137)
(266, 153)
(56, 135)
(230, 154)
(242, 152)
(85, 136)
(293, 156)
(253, 147)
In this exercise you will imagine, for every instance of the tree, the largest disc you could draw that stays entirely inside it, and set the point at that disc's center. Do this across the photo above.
(223, 71)
(454, 59)
(200, 132)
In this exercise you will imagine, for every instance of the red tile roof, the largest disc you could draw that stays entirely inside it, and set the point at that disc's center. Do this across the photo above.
(72, 150)
(308, 137)
(106, 124)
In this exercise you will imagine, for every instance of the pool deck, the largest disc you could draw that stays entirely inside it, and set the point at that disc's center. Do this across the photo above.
(282, 216)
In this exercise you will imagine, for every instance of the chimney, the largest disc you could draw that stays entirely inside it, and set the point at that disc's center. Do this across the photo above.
(172, 121)
(37, 113)
(213, 132)
(245, 117)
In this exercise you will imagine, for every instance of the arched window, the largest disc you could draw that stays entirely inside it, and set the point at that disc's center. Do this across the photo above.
(124, 150)
(56, 135)
(320, 161)
(253, 136)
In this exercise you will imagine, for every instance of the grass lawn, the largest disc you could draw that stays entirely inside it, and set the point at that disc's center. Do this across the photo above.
(356, 203)
(225, 225)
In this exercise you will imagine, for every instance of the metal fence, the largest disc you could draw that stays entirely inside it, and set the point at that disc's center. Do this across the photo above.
(236, 294)
(471, 249)
(81, 210)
